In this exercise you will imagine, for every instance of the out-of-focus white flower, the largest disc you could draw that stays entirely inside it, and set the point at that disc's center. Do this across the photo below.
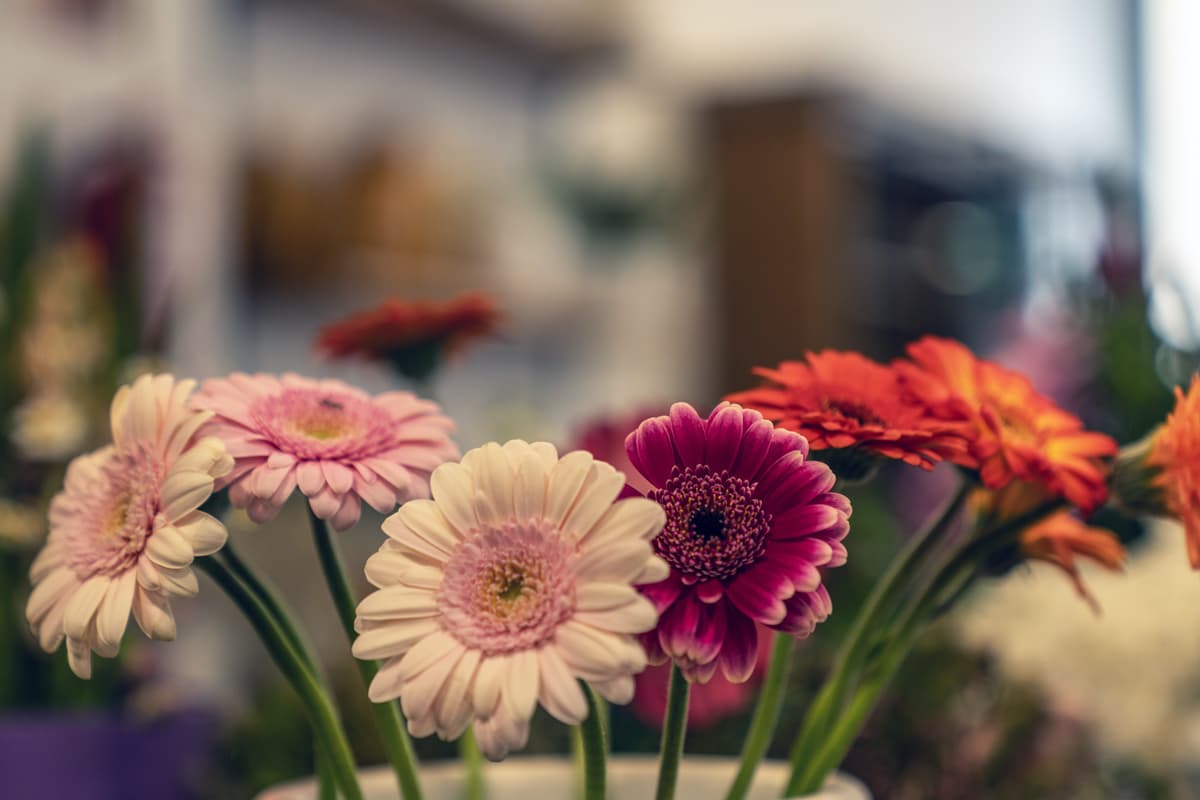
(49, 427)
(21, 525)
(1130, 671)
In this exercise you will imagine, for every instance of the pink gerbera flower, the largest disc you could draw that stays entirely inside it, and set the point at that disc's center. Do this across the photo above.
(508, 587)
(749, 521)
(338, 444)
(126, 526)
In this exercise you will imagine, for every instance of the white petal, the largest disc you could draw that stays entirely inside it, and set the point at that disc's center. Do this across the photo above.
(618, 690)
(618, 563)
(79, 658)
(636, 617)
(168, 548)
(48, 591)
(179, 582)
(81, 609)
(489, 680)
(632, 518)
(492, 474)
(185, 491)
(113, 613)
(595, 498)
(566, 479)
(653, 571)
(521, 685)
(591, 654)
(153, 615)
(426, 653)
(529, 487)
(393, 639)
(309, 477)
(454, 709)
(423, 519)
(203, 532)
(398, 602)
(421, 693)
(559, 691)
(597, 596)
(454, 492)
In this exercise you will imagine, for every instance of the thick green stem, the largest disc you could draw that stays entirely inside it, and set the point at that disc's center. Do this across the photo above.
(595, 748)
(472, 759)
(880, 603)
(766, 715)
(396, 741)
(674, 731)
(291, 664)
(326, 783)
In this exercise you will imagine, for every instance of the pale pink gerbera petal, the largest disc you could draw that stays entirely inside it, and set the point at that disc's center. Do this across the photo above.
(339, 445)
(508, 587)
(126, 526)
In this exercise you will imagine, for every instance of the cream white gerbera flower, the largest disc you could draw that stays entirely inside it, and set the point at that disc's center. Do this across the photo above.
(126, 526)
(508, 587)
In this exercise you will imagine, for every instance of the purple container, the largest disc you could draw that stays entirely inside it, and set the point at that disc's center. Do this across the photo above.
(104, 756)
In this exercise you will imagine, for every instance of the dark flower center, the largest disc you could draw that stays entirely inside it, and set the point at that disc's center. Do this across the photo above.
(852, 409)
(715, 525)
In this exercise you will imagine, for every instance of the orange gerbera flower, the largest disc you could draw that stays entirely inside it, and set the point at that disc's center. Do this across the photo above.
(843, 399)
(1061, 537)
(1018, 433)
(1175, 452)
(411, 336)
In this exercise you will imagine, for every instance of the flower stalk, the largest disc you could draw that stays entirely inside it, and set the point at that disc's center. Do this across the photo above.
(674, 731)
(595, 748)
(766, 715)
(292, 665)
(396, 741)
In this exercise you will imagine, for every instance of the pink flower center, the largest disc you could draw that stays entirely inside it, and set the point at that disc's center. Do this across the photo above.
(315, 424)
(116, 515)
(715, 526)
(508, 589)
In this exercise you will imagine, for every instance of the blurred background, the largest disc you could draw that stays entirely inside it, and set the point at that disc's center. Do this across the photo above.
(658, 195)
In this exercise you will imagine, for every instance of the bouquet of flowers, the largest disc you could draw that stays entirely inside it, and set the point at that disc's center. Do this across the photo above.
(516, 576)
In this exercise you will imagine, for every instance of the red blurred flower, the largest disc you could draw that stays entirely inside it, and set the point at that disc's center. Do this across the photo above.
(413, 336)
(1018, 434)
(1175, 453)
(843, 399)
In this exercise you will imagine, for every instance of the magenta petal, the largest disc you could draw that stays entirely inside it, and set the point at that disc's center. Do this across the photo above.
(773, 578)
(791, 482)
(677, 626)
(709, 634)
(650, 450)
(740, 649)
(809, 549)
(654, 652)
(839, 554)
(804, 519)
(756, 441)
(663, 593)
(687, 429)
(724, 436)
(699, 673)
(755, 601)
(783, 442)
(710, 591)
(837, 500)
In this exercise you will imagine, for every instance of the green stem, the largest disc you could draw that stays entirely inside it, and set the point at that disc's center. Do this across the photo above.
(949, 583)
(766, 715)
(674, 731)
(595, 748)
(879, 603)
(291, 664)
(468, 751)
(229, 556)
(396, 741)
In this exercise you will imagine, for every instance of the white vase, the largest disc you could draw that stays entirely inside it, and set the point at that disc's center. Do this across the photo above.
(549, 778)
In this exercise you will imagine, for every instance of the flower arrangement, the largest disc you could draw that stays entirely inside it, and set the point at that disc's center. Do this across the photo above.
(518, 577)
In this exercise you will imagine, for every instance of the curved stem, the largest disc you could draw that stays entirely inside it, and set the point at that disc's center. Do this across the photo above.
(291, 664)
(853, 652)
(396, 741)
(229, 556)
(595, 748)
(766, 715)
(674, 731)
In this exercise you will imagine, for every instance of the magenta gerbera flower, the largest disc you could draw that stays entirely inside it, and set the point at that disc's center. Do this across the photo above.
(749, 521)
(338, 444)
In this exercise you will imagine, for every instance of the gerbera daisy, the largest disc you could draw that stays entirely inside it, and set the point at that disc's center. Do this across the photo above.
(126, 526)
(845, 400)
(604, 438)
(1062, 537)
(338, 444)
(514, 582)
(1018, 434)
(412, 337)
(1174, 456)
(749, 522)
